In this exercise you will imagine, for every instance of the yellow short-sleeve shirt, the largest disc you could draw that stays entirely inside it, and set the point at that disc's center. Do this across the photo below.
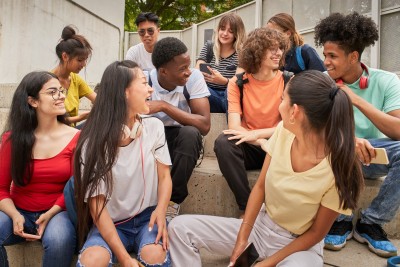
(292, 199)
(78, 88)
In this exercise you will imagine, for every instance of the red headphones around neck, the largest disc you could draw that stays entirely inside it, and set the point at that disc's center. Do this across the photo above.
(364, 79)
(363, 83)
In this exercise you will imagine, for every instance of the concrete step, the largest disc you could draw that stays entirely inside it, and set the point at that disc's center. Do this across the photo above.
(218, 124)
(209, 194)
(353, 255)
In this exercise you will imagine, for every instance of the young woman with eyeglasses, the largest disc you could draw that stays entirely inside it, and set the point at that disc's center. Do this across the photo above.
(73, 52)
(36, 157)
(222, 56)
(148, 28)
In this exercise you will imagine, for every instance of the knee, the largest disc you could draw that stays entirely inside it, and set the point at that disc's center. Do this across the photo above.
(222, 143)
(94, 256)
(153, 254)
(189, 136)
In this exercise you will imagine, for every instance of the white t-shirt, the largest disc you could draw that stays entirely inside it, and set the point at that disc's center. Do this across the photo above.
(132, 182)
(139, 54)
(196, 87)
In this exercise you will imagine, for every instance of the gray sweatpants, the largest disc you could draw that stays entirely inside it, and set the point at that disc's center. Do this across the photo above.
(189, 233)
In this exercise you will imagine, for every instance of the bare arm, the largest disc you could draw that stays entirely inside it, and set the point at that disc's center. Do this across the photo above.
(164, 195)
(387, 123)
(7, 206)
(108, 231)
(244, 135)
(322, 224)
(199, 118)
(256, 198)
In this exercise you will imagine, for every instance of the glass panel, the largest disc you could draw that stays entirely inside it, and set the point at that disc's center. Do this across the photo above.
(389, 42)
(348, 6)
(307, 13)
(390, 3)
(272, 7)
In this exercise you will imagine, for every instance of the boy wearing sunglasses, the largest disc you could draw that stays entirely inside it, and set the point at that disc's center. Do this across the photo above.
(148, 29)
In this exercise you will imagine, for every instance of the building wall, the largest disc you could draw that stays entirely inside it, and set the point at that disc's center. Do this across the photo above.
(307, 13)
(31, 29)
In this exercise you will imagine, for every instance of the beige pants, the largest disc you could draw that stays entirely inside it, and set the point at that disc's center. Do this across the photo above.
(189, 233)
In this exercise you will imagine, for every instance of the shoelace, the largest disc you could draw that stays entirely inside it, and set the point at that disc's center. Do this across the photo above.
(338, 228)
(376, 232)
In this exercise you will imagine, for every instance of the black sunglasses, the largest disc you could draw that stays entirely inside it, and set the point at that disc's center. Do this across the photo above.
(150, 31)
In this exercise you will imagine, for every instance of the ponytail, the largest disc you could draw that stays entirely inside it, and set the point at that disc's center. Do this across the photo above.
(329, 111)
(340, 141)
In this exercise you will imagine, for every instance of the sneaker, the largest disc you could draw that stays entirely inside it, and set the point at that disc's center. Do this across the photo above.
(338, 235)
(376, 239)
(172, 210)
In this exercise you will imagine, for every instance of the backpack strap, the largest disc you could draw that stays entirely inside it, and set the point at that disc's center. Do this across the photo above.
(286, 76)
(240, 82)
(210, 52)
(185, 90)
(186, 94)
(299, 58)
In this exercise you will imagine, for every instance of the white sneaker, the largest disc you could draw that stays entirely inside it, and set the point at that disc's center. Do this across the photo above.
(172, 210)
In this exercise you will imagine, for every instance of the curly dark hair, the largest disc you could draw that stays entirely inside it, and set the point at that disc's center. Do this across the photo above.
(352, 32)
(166, 49)
(256, 45)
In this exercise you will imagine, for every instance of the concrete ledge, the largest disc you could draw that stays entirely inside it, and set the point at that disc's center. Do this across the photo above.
(210, 194)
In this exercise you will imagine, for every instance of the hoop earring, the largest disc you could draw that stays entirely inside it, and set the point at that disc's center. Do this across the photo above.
(291, 121)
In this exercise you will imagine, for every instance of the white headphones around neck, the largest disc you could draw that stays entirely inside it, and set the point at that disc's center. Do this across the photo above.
(134, 133)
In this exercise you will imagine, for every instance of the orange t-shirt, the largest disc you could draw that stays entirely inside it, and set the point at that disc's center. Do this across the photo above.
(261, 100)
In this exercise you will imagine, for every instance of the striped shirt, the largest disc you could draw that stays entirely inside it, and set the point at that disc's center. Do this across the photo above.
(227, 67)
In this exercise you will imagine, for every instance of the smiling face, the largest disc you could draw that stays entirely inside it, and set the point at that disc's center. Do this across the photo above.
(50, 100)
(272, 57)
(137, 93)
(226, 35)
(177, 71)
(337, 61)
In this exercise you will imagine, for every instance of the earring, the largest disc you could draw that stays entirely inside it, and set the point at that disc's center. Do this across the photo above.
(291, 121)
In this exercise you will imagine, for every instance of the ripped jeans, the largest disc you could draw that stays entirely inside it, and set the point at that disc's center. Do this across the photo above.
(134, 234)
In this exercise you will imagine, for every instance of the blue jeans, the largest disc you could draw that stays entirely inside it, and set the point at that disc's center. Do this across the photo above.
(218, 101)
(384, 206)
(58, 239)
(134, 234)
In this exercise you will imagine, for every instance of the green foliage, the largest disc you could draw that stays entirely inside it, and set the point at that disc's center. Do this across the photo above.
(179, 14)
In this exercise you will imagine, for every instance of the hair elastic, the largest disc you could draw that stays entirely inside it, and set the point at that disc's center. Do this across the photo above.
(333, 93)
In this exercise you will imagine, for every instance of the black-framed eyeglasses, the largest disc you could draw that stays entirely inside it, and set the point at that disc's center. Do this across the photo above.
(150, 31)
(56, 93)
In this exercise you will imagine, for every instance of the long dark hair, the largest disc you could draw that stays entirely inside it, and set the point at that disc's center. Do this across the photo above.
(22, 122)
(73, 44)
(97, 147)
(329, 111)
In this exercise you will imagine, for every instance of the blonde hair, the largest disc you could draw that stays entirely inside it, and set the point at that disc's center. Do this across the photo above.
(237, 26)
(286, 23)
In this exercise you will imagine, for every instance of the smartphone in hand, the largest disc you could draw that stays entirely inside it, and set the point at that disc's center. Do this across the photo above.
(380, 156)
(31, 233)
(204, 68)
(248, 257)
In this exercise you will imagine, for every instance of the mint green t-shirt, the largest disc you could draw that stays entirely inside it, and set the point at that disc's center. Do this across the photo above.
(383, 92)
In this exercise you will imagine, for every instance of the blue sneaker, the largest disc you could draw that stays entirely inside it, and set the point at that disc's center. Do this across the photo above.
(338, 235)
(376, 239)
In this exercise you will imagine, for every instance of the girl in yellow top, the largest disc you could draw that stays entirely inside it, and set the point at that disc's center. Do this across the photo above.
(73, 51)
(309, 176)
